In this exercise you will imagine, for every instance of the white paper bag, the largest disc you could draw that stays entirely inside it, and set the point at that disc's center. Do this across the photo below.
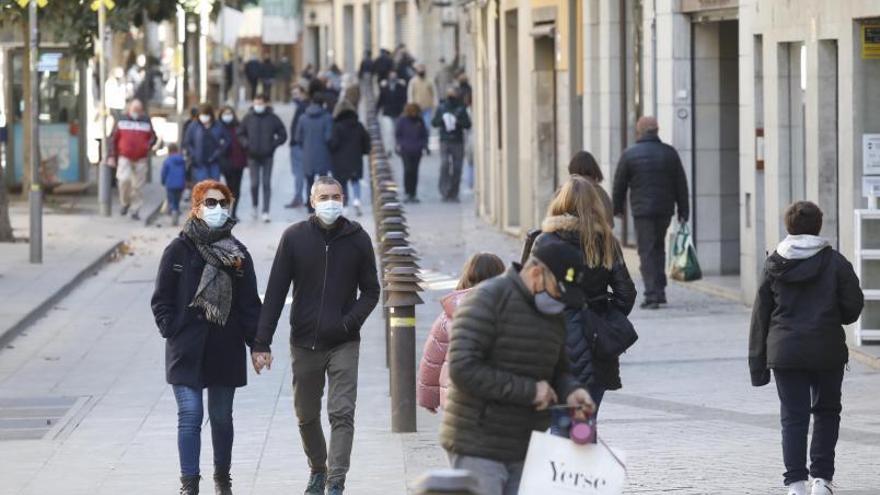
(556, 465)
(449, 121)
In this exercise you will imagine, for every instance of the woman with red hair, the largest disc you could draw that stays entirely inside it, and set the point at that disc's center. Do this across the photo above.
(206, 306)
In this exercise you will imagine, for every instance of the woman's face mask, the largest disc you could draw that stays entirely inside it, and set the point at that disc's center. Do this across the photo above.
(227, 118)
(215, 216)
(205, 118)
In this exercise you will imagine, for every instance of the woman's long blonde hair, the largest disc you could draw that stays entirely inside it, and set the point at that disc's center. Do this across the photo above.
(580, 198)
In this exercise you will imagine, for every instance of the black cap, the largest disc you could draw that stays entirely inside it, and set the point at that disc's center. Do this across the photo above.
(566, 263)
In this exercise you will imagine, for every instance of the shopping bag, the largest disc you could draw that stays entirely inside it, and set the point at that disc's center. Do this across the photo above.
(683, 264)
(556, 465)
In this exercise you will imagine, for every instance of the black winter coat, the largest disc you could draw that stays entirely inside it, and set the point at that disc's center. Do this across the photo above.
(299, 109)
(411, 134)
(799, 311)
(462, 120)
(261, 133)
(657, 184)
(585, 367)
(500, 347)
(199, 353)
(348, 145)
(392, 99)
(327, 269)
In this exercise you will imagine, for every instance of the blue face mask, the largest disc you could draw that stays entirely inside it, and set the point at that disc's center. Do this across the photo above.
(548, 304)
(328, 211)
(215, 217)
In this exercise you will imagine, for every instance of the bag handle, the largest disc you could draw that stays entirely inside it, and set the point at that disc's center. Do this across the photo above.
(617, 459)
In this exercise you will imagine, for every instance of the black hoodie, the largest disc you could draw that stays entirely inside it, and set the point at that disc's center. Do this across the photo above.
(327, 269)
(799, 313)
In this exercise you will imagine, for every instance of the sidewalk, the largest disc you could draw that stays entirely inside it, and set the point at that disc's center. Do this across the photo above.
(76, 242)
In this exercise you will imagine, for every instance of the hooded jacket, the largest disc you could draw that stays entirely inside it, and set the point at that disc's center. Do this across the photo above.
(348, 145)
(327, 269)
(808, 292)
(501, 346)
(456, 108)
(261, 133)
(652, 172)
(205, 146)
(314, 132)
(599, 281)
(433, 382)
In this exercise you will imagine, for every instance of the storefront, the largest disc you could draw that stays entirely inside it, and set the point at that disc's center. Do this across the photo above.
(61, 101)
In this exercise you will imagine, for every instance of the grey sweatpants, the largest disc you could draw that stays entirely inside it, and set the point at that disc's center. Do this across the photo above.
(340, 366)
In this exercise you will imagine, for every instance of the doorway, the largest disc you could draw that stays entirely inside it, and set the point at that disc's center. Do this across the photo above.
(544, 80)
(715, 167)
(511, 104)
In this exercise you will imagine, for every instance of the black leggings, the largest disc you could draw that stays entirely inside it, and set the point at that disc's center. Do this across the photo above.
(411, 173)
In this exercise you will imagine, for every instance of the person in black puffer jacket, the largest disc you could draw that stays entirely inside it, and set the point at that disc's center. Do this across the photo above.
(577, 213)
(651, 170)
(808, 292)
(348, 145)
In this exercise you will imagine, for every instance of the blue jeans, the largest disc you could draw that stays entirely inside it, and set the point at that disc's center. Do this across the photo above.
(174, 199)
(205, 172)
(426, 116)
(597, 392)
(190, 413)
(299, 175)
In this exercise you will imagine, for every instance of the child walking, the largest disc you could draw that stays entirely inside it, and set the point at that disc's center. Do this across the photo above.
(174, 180)
(808, 292)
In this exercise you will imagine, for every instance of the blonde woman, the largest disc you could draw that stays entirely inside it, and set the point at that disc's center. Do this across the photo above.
(578, 215)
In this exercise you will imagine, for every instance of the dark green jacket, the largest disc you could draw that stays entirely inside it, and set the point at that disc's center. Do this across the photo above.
(500, 347)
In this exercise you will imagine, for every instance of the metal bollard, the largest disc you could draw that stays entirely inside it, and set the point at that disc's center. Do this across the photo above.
(402, 298)
(446, 482)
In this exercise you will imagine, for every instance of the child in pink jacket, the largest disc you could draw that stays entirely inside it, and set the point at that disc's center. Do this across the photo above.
(433, 369)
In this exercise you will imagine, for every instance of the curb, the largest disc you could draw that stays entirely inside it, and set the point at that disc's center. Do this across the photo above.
(153, 215)
(9, 334)
(865, 358)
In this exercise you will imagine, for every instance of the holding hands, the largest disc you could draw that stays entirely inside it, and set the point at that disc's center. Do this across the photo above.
(261, 360)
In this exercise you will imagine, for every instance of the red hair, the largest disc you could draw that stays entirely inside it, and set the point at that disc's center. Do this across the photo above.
(201, 189)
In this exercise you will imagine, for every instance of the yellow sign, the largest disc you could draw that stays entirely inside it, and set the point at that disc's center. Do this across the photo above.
(569, 275)
(40, 3)
(871, 41)
(108, 4)
(402, 322)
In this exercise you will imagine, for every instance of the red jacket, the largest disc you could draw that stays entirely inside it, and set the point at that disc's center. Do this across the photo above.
(433, 382)
(132, 138)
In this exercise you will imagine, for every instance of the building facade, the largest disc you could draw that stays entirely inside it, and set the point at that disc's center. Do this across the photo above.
(767, 102)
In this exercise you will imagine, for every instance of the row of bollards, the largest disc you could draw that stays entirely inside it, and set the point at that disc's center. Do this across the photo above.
(399, 272)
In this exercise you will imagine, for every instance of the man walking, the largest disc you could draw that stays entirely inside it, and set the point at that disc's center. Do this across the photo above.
(392, 99)
(314, 130)
(508, 364)
(651, 170)
(452, 119)
(296, 151)
(260, 133)
(130, 144)
(328, 258)
(421, 92)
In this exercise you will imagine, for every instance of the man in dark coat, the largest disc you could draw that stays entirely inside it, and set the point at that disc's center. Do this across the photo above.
(392, 99)
(808, 292)
(366, 67)
(329, 259)
(383, 65)
(261, 132)
(314, 131)
(252, 71)
(508, 364)
(452, 119)
(652, 172)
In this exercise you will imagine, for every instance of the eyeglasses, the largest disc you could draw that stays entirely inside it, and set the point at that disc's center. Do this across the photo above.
(213, 202)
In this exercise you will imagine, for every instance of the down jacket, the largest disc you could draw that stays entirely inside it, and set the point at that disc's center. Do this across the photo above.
(501, 346)
(585, 367)
(434, 369)
(801, 305)
(261, 133)
(652, 171)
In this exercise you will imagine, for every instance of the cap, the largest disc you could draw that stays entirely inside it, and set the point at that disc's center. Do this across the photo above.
(566, 263)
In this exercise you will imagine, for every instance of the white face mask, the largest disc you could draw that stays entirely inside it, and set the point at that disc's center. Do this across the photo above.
(215, 217)
(227, 118)
(204, 118)
(135, 115)
(329, 211)
(259, 108)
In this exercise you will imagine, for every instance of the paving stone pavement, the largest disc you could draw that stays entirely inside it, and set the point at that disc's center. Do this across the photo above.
(687, 419)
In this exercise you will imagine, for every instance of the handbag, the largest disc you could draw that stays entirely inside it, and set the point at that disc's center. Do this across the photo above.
(558, 465)
(612, 332)
(683, 265)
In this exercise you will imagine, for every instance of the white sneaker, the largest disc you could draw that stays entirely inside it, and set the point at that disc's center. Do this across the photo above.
(266, 218)
(797, 488)
(255, 214)
(821, 487)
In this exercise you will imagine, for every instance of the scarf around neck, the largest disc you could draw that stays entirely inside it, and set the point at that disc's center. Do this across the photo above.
(220, 252)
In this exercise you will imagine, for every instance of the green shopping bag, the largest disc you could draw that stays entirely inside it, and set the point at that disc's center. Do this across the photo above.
(683, 264)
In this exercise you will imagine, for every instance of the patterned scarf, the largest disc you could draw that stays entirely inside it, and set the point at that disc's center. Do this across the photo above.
(220, 252)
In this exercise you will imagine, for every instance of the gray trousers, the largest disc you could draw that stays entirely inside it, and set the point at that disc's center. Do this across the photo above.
(651, 240)
(494, 477)
(261, 171)
(451, 157)
(340, 366)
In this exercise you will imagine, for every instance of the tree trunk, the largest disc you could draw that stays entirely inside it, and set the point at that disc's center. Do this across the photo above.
(26, 115)
(5, 225)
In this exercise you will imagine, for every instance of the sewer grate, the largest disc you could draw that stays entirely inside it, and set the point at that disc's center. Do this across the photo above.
(36, 418)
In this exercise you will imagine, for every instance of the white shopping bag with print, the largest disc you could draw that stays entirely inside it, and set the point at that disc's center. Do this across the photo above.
(556, 465)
